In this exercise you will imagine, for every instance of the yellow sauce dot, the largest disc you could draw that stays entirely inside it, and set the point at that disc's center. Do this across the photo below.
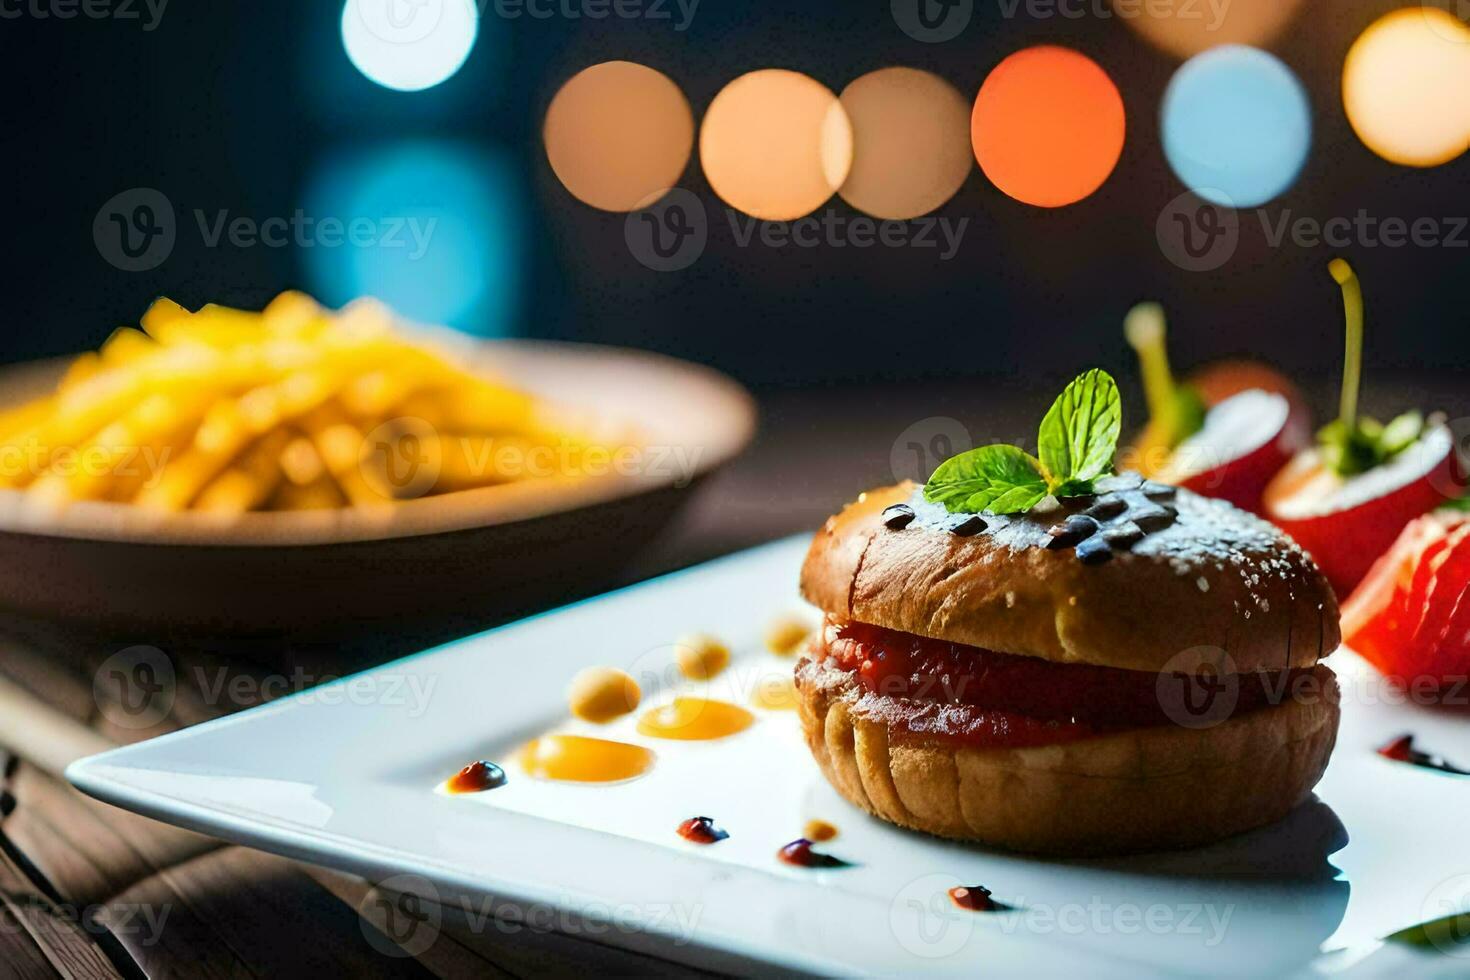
(579, 759)
(775, 694)
(818, 831)
(701, 656)
(695, 720)
(786, 635)
(600, 694)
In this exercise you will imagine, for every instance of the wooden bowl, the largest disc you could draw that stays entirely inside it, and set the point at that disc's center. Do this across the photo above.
(457, 557)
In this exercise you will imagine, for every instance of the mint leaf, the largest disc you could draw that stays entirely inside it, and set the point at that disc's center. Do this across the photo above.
(1350, 450)
(1461, 504)
(998, 479)
(1401, 433)
(1080, 433)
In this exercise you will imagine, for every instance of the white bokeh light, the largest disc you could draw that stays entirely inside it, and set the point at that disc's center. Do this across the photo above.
(409, 45)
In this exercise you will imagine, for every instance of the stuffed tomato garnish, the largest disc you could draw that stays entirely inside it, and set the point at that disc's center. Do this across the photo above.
(1225, 432)
(1348, 498)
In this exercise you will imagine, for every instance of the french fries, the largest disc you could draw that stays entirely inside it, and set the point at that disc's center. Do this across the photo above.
(227, 411)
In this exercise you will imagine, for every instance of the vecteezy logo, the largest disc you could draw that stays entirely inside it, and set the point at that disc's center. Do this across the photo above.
(926, 922)
(1198, 688)
(400, 21)
(1434, 11)
(932, 21)
(134, 688)
(920, 448)
(135, 231)
(1446, 916)
(401, 916)
(402, 458)
(1197, 235)
(668, 234)
(1452, 480)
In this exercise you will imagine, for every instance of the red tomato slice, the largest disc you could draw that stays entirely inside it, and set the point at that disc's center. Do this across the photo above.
(1450, 570)
(1454, 659)
(1379, 620)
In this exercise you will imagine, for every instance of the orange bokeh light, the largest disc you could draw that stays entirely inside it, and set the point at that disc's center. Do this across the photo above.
(619, 135)
(775, 144)
(1048, 126)
(1186, 29)
(911, 145)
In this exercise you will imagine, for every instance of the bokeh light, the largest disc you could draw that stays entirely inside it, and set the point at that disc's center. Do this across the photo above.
(1186, 29)
(409, 46)
(1406, 87)
(1048, 126)
(911, 142)
(1236, 126)
(433, 229)
(776, 144)
(618, 135)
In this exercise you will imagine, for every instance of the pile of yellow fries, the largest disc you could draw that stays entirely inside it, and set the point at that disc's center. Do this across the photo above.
(292, 408)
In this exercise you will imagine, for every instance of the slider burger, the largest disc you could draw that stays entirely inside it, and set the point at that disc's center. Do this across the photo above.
(1041, 655)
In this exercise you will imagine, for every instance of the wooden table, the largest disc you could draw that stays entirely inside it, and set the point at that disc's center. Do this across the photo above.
(87, 890)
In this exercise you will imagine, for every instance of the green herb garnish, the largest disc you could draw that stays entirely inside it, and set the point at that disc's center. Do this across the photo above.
(1445, 933)
(1461, 504)
(1076, 444)
(1177, 411)
(1353, 444)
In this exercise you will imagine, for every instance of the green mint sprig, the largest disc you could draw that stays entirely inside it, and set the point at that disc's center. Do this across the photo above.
(1352, 443)
(1177, 411)
(1075, 446)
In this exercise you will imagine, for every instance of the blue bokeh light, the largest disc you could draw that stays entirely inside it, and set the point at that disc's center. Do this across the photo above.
(438, 230)
(1237, 126)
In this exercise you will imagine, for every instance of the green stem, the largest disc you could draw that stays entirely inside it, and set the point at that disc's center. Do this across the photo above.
(1352, 363)
(1145, 329)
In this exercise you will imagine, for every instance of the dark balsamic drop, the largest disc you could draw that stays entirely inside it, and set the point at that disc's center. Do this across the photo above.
(1071, 532)
(800, 854)
(975, 898)
(477, 777)
(1094, 551)
(1125, 535)
(1107, 508)
(1153, 517)
(702, 830)
(898, 517)
(970, 526)
(1159, 491)
(1402, 749)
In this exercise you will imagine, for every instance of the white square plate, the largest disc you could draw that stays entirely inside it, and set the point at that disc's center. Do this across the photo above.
(347, 776)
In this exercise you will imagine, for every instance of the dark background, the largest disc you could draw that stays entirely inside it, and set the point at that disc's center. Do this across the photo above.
(239, 106)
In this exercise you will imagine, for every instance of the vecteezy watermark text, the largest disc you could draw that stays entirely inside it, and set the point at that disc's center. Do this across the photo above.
(136, 688)
(672, 233)
(1211, 13)
(1200, 235)
(834, 230)
(147, 12)
(404, 915)
(137, 230)
(654, 10)
(140, 923)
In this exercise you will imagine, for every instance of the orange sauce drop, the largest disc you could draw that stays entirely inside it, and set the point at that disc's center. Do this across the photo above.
(775, 694)
(695, 720)
(579, 759)
(819, 830)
